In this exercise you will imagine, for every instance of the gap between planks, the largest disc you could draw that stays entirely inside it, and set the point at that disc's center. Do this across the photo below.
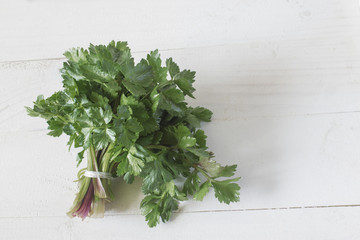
(142, 51)
(206, 211)
(287, 115)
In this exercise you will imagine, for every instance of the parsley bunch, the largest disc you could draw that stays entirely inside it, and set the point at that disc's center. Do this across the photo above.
(132, 120)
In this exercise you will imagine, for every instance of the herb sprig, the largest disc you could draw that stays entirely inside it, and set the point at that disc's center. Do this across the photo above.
(132, 120)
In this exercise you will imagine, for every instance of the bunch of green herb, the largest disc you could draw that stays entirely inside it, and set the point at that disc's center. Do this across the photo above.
(132, 120)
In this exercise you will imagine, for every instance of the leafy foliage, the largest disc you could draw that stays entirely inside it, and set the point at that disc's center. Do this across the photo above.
(136, 119)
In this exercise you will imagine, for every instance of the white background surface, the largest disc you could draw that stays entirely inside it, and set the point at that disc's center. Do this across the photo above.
(282, 78)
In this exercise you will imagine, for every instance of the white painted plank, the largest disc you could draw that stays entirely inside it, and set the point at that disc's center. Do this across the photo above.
(282, 79)
(250, 84)
(284, 162)
(44, 29)
(300, 224)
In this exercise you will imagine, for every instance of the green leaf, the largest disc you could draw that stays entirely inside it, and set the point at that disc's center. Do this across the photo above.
(98, 53)
(228, 171)
(133, 88)
(133, 125)
(128, 178)
(70, 85)
(159, 73)
(202, 113)
(184, 80)
(56, 127)
(141, 74)
(210, 166)
(200, 138)
(192, 120)
(99, 100)
(155, 207)
(174, 95)
(157, 137)
(128, 100)
(182, 131)
(99, 116)
(150, 125)
(130, 162)
(171, 100)
(123, 165)
(152, 215)
(72, 71)
(168, 205)
(123, 112)
(182, 135)
(155, 99)
(151, 210)
(186, 142)
(76, 55)
(121, 55)
(200, 152)
(191, 184)
(84, 139)
(127, 131)
(80, 157)
(95, 73)
(69, 129)
(31, 112)
(139, 111)
(215, 169)
(204, 189)
(138, 78)
(102, 137)
(121, 158)
(108, 115)
(226, 191)
(172, 67)
(136, 164)
(155, 174)
(170, 188)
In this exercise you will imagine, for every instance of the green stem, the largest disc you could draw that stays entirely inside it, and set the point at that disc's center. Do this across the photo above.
(202, 171)
(205, 174)
(156, 147)
(160, 147)
(62, 119)
(105, 158)
(106, 166)
(166, 83)
(98, 186)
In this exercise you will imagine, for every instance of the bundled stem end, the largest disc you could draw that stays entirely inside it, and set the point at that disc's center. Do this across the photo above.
(93, 192)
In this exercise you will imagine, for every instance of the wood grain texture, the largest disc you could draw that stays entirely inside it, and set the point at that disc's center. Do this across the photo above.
(260, 87)
(283, 161)
(283, 81)
(301, 224)
(44, 29)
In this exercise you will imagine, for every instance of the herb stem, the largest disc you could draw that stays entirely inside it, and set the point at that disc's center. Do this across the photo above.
(62, 119)
(160, 147)
(204, 173)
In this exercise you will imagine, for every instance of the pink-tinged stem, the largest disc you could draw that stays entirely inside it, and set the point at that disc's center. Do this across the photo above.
(85, 206)
(90, 201)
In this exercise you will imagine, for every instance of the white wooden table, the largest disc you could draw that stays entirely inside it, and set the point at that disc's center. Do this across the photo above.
(282, 78)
